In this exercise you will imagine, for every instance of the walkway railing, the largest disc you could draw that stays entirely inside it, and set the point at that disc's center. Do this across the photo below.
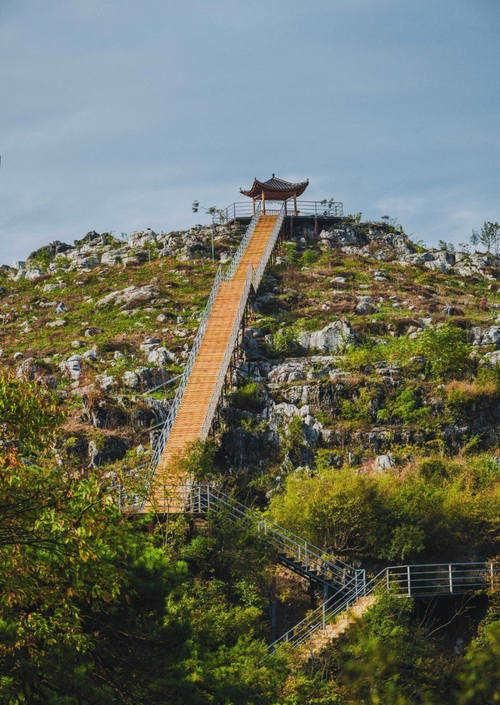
(224, 273)
(204, 498)
(244, 209)
(415, 581)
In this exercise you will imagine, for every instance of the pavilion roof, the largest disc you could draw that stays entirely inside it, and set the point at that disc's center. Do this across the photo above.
(275, 189)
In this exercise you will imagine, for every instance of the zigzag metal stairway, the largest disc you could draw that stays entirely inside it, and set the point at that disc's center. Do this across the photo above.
(349, 593)
(198, 394)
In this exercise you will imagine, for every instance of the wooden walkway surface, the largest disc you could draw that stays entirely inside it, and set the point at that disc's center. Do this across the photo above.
(167, 491)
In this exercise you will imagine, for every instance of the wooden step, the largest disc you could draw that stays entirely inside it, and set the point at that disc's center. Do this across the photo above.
(202, 381)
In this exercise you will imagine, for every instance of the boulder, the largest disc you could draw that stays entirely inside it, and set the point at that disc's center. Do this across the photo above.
(141, 238)
(129, 297)
(112, 257)
(73, 366)
(365, 305)
(91, 355)
(486, 336)
(150, 344)
(34, 274)
(83, 261)
(442, 261)
(161, 356)
(343, 236)
(491, 359)
(384, 462)
(288, 371)
(106, 382)
(143, 378)
(332, 338)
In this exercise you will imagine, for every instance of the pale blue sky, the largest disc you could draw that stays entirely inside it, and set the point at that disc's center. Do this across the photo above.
(115, 115)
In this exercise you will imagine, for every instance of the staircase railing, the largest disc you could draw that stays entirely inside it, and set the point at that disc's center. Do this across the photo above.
(204, 498)
(167, 425)
(235, 259)
(224, 273)
(221, 375)
(271, 243)
(415, 581)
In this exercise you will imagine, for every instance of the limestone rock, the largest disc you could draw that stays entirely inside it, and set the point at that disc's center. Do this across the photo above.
(332, 338)
(73, 366)
(130, 296)
(365, 305)
(141, 238)
(106, 382)
(384, 462)
(486, 336)
(491, 359)
(34, 274)
(161, 356)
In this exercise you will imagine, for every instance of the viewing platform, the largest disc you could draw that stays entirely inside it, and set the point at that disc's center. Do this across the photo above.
(325, 210)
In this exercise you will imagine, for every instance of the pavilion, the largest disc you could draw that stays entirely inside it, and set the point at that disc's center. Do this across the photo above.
(275, 189)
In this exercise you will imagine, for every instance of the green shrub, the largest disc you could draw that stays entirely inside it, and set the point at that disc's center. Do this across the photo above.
(405, 407)
(248, 397)
(391, 517)
(284, 341)
(446, 350)
(358, 409)
(290, 254)
(434, 469)
(309, 257)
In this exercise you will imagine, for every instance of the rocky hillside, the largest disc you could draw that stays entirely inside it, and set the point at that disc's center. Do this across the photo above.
(339, 337)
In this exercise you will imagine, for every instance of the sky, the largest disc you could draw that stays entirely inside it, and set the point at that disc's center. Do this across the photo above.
(115, 115)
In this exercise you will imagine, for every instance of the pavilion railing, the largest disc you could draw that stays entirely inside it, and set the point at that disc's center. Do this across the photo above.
(244, 209)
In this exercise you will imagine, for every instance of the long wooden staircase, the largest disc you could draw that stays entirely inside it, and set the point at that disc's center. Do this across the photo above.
(197, 398)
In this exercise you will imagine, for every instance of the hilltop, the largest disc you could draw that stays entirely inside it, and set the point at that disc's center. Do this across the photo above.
(106, 319)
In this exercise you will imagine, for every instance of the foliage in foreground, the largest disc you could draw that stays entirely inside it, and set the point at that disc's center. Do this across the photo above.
(440, 510)
(97, 609)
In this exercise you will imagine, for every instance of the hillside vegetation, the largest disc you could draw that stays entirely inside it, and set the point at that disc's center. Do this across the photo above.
(364, 419)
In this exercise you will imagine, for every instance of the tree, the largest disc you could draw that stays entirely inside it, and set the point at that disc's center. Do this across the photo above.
(488, 236)
(215, 214)
(94, 610)
(480, 673)
(446, 246)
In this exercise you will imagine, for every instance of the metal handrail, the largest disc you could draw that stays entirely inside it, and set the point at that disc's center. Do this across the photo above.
(214, 399)
(445, 579)
(271, 243)
(235, 260)
(203, 498)
(244, 209)
(223, 273)
(163, 436)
